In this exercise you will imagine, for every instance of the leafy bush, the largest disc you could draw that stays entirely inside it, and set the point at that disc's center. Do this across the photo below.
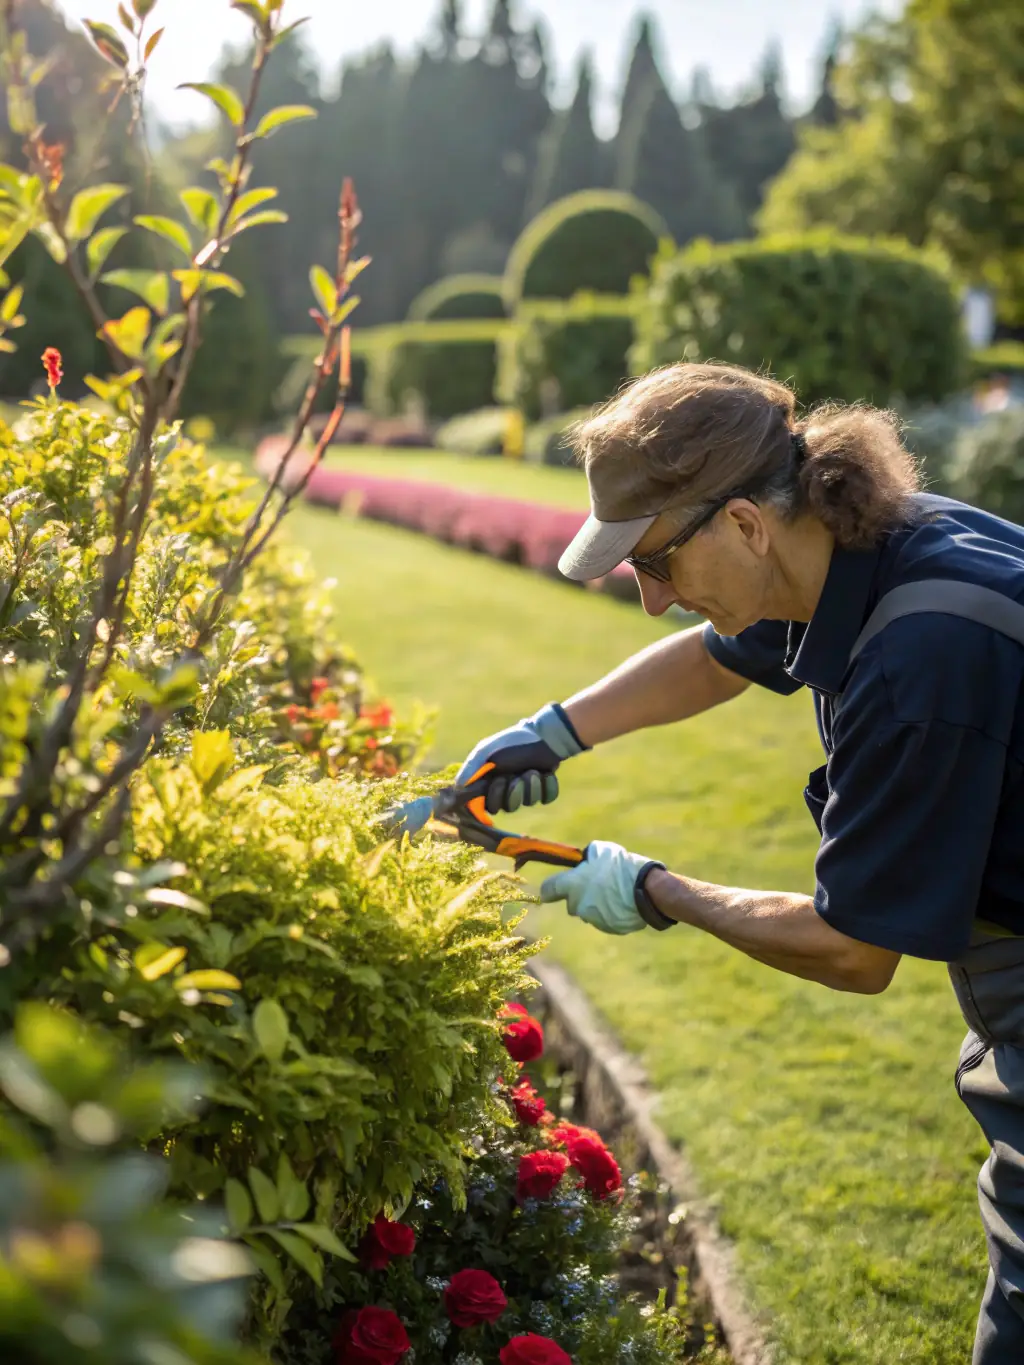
(840, 318)
(1003, 358)
(988, 468)
(446, 368)
(547, 442)
(597, 240)
(532, 1251)
(459, 296)
(475, 433)
(93, 1269)
(567, 355)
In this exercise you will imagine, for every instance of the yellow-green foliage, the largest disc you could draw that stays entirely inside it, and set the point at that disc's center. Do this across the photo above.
(446, 366)
(459, 296)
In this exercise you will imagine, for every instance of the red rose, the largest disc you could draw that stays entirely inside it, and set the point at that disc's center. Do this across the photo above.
(373, 1336)
(318, 687)
(473, 1297)
(597, 1166)
(384, 1240)
(539, 1173)
(533, 1350)
(381, 716)
(529, 1106)
(564, 1133)
(523, 1036)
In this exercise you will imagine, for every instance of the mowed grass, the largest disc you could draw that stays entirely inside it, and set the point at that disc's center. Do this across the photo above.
(824, 1127)
(478, 474)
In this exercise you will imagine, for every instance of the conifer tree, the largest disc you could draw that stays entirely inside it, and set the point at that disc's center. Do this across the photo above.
(569, 156)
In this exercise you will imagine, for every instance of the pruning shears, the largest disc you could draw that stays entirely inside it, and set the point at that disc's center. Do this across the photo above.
(460, 811)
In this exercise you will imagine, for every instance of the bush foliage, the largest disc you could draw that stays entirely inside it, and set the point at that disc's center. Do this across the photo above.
(596, 240)
(840, 318)
(445, 368)
(987, 468)
(561, 356)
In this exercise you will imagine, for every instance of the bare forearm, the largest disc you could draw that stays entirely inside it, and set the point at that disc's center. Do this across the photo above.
(778, 928)
(669, 681)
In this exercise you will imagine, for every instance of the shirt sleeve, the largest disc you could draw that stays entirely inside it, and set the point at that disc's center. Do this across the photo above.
(908, 824)
(757, 654)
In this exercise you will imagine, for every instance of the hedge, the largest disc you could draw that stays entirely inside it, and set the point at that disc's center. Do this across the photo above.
(446, 367)
(459, 296)
(578, 350)
(597, 240)
(838, 317)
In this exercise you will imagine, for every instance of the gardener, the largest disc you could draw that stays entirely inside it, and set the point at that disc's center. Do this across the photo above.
(818, 563)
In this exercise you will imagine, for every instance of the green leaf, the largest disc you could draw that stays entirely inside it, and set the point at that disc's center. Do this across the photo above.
(287, 31)
(270, 1025)
(11, 304)
(238, 1205)
(227, 100)
(207, 281)
(252, 8)
(208, 980)
(322, 1237)
(277, 118)
(243, 780)
(250, 200)
(129, 333)
(51, 239)
(143, 8)
(160, 966)
(324, 289)
(167, 228)
(108, 43)
(267, 1263)
(348, 306)
(89, 206)
(101, 244)
(294, 1194)
(300, 1252)
(202, 207)
(265, 1192)
(213, 756)
(152, 286)
(260, 220)
(151, 44)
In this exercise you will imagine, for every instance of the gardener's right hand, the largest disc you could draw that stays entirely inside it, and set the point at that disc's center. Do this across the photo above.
(525, 757)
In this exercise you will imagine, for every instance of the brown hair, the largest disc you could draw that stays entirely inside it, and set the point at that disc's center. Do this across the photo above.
(702, 431)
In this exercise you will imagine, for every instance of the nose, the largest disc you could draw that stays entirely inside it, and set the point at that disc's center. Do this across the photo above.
(656, 596)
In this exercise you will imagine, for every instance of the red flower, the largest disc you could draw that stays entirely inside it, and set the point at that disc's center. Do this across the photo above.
(373, 1336)
(293, 713)
(381, 716)
(318, 687)
(371, 743)
(523, 1036)
(597, 1166)
(529, 1106)
(533, 1350)
(564, 1133)
(53, 363)
(473, 1297)
(384, 1240)
(539, 1173)
(329, 711)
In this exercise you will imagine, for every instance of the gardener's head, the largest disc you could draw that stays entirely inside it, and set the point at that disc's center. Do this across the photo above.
(702, 479)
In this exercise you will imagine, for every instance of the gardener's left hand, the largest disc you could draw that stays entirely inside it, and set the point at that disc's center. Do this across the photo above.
(600, 890)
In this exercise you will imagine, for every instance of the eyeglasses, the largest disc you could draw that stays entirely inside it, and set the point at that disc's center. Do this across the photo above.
(656, 565)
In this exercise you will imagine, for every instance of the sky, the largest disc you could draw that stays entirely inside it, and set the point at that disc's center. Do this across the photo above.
(727, 37)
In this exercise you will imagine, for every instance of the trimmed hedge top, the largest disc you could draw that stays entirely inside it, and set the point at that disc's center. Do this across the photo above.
(597, 240)
(459, 296)
(837, 317)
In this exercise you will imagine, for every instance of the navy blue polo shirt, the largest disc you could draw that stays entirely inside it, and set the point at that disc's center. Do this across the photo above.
(920, 804)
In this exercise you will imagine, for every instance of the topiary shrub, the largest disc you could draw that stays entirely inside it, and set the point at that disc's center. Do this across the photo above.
(565, 355)
(475, 433)
(459, 296)
(547, 442)
(988, 467)
(597, 241)
(839, 318)
(442, 368)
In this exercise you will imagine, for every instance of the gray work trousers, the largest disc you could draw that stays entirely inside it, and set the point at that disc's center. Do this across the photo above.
(989, 985)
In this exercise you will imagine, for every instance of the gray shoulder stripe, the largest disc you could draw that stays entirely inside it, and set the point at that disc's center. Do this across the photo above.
(947, 597)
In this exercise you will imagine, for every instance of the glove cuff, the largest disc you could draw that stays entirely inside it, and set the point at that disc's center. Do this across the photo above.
(556, 730)
(646, 908)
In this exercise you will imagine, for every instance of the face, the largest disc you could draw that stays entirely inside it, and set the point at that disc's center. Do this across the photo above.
(725, 573)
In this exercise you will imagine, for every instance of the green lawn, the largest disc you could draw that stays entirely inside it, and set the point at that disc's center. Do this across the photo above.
(824, 1126)
(480, 473)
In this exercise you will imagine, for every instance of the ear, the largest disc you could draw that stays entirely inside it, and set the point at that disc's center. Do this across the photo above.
(745, 521)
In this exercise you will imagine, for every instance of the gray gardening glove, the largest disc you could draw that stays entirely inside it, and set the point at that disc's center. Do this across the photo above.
(525, 757)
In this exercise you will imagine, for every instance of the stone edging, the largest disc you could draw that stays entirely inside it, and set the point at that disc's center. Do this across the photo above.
(617, 1099)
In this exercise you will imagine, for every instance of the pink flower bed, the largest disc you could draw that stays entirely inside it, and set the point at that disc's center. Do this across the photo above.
(505, 528)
